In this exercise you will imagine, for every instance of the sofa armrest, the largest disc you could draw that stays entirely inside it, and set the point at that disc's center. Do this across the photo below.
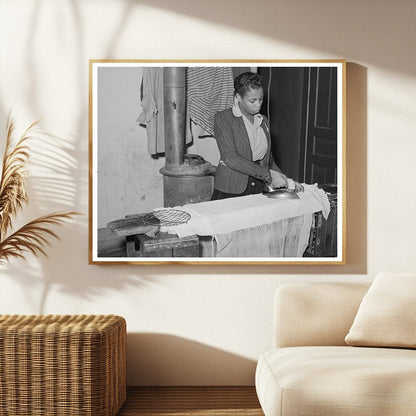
(308, 314)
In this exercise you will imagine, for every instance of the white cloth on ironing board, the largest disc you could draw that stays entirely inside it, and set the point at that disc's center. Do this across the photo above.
(228, 215)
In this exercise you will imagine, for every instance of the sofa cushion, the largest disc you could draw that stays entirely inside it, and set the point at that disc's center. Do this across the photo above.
(387, 314)
(304, 381)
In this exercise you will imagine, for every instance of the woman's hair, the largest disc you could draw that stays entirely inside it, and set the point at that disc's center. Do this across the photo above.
(247, 80)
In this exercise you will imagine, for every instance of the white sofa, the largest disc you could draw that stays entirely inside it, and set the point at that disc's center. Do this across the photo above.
(311, 370)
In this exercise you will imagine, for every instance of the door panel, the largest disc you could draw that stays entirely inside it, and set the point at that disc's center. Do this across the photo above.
(320, 157)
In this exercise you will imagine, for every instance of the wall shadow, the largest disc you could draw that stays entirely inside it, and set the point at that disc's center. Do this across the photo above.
(333, 27)
(53, 187)
(241, 17)
(168, 360)
(60, 182)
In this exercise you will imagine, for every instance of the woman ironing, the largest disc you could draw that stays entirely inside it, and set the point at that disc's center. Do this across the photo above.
(243, 138)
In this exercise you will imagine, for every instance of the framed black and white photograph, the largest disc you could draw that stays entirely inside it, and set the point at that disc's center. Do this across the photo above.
(217, 162)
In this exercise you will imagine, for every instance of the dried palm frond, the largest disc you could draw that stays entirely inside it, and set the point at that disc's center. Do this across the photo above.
(12, 183)
(32, 237)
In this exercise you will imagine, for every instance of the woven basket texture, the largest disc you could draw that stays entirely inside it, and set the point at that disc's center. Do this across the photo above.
(53, 365)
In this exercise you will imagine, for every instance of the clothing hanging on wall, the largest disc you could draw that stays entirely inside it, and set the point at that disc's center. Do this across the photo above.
(209, 90)
(152, 115)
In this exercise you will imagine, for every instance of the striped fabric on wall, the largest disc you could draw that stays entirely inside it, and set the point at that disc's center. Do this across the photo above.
(209, 90)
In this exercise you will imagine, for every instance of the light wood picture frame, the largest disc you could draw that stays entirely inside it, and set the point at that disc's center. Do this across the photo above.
(155, 148)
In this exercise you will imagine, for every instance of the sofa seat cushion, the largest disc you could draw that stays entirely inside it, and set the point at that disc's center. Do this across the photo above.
(342, 380)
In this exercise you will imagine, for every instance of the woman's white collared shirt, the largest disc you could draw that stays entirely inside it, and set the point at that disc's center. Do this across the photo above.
(258, 140)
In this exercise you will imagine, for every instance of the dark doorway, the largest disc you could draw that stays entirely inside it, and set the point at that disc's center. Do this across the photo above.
(301, 104)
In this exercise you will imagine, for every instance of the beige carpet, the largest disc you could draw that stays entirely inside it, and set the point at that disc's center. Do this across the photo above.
(187, 401)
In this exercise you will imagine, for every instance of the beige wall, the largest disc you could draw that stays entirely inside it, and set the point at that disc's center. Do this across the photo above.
(204, 325)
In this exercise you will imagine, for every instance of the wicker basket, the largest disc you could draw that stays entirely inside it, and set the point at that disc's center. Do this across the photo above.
(71, 365)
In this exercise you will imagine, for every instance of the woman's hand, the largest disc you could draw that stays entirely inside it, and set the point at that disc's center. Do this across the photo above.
(295, 186)
(279, 180)
(299, 187)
